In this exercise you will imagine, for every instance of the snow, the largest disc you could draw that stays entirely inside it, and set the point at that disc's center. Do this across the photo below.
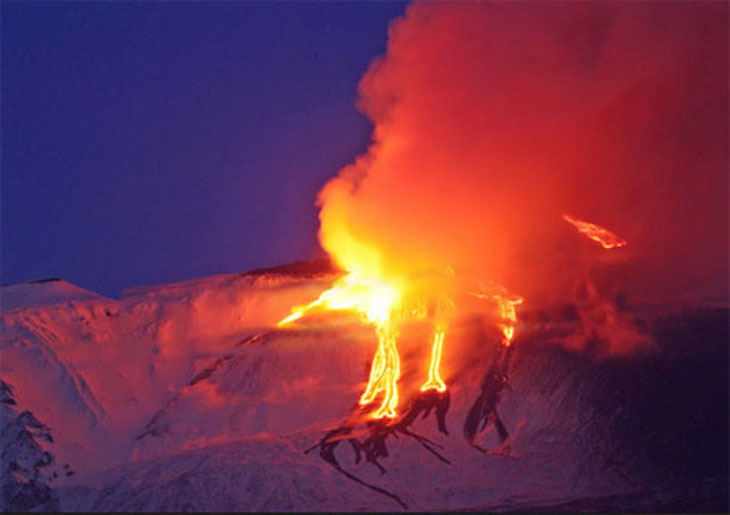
(98, 369)
(43, 292)
(186, 397)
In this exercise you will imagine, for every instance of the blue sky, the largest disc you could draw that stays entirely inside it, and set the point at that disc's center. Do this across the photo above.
(152, 142)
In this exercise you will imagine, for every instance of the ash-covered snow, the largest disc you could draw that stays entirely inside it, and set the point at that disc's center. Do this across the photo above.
(186, 397)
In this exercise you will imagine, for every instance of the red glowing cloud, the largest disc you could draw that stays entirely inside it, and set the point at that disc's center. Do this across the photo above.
(491, 120)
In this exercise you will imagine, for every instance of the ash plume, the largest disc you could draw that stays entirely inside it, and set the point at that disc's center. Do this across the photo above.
(491, 120)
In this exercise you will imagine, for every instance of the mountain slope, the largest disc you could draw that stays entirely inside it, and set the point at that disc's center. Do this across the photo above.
(186, 397)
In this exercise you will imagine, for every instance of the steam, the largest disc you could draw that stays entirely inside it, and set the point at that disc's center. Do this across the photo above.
(493, 119)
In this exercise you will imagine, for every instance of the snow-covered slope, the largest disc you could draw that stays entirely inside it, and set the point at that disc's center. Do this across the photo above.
(98, 369)
(185, 396)
(43, 292)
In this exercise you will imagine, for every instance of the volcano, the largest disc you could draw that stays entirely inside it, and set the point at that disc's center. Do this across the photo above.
(187, 396)
(524, 304)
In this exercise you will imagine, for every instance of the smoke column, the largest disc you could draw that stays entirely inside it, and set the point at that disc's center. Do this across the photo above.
(493, 119)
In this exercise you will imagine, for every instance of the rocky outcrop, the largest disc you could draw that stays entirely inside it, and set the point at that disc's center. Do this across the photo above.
(24, 459)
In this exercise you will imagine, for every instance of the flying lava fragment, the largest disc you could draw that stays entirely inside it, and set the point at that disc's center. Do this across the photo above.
(606, 238)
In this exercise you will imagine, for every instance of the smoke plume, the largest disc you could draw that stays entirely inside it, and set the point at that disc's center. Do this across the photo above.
(491, 120)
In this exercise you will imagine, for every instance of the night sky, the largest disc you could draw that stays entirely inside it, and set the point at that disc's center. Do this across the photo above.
(145, 143)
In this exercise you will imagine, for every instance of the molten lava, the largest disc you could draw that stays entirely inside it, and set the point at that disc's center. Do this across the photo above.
(384, 374)
(384, 304)
(372, 298)
(507, 303)
(606, 238)
(434, 381)
(507, 308)
(375, 300)
(382, 300)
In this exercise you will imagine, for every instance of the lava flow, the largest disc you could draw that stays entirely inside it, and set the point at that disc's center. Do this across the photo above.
(375, 300)
(434, 381)
(484, 409)
(606, 238)
(379, 302)
(382, 300)
(507, 303)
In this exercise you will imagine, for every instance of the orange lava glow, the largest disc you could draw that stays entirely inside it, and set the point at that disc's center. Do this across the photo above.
(507, 304)
(488, 124)
(384, 375)
(606, 238)
(378, 303)
(367, 292)
(507, 307)
(375, 300)
(434, 381)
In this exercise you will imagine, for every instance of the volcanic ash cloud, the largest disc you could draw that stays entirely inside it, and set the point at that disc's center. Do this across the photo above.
(492, 120)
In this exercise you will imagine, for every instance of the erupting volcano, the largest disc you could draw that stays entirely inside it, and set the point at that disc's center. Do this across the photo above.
(519, 298)
(386, 303)
(460, 195)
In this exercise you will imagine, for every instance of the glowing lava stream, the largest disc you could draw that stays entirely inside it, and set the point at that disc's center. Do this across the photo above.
(384, 374)
(376, 300)
(434, 381)
(507, 309)
(606, 238)
(372, 298)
